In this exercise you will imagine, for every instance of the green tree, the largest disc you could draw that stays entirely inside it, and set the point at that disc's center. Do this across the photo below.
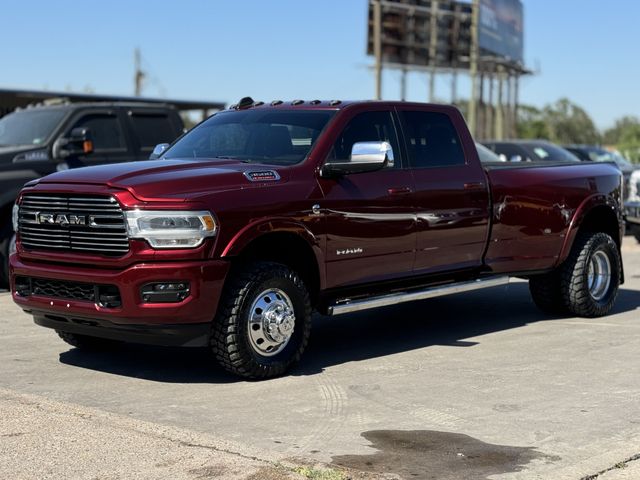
(627, 127)
(569, 123)
(625, 136)
(531, 123)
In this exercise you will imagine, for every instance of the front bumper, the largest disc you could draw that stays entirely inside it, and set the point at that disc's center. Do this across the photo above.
(184, 323)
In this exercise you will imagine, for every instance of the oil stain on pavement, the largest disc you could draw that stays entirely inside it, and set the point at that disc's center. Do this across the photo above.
(429, 454)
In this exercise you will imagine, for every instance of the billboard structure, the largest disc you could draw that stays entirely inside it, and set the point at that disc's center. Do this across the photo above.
(500, 29)
(483, 39)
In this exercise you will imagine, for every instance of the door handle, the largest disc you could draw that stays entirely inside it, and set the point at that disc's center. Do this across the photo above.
(399, 190)
(474, 186)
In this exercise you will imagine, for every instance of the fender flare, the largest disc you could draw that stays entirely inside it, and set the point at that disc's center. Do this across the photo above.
(587, 205)
(260, 228)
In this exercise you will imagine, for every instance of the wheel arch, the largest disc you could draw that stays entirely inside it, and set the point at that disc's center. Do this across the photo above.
(288, 243)
(596, 214)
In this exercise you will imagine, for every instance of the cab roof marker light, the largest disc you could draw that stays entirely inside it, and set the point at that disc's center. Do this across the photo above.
(276, 102)
(257, 104)
(335, 102)
(245, 102)
(315, 102)
(297, 102)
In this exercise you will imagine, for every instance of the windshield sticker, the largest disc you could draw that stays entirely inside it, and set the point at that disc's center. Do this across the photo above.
(541, 152)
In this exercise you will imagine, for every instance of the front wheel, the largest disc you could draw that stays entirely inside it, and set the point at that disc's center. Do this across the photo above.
(263, 321)
(7, 247)
(590, 277)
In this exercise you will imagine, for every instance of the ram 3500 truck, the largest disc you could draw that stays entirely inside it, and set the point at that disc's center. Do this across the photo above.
(265, 212)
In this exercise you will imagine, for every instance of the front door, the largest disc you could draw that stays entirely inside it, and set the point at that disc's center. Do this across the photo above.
(369, 220)
(109, 141)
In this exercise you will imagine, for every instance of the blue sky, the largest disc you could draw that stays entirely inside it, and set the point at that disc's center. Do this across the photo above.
(223, 50)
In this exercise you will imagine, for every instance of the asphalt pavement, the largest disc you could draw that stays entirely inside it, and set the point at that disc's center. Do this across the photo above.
(477, 385)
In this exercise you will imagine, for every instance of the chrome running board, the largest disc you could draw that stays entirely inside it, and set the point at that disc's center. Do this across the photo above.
(348, 305)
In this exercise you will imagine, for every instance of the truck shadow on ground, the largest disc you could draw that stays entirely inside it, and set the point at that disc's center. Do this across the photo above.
(449, 321)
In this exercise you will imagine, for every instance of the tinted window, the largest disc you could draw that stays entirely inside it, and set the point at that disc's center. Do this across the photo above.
(262, 135)
(152, 129)
(432, 140)
(367, 127)
(105, 131)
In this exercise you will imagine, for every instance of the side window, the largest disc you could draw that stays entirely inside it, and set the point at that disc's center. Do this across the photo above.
(105, 131)
(152, 129)
(432, 140)
(367, 127)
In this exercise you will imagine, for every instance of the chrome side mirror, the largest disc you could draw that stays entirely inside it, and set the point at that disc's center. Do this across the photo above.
(372, 153)
(365, 157)
(158, 151)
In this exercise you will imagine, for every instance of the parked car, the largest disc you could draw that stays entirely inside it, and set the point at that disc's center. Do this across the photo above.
(632, 205)
(529, 151)
(265, 212)
(40, 140)
(594, 153)
(486, 155)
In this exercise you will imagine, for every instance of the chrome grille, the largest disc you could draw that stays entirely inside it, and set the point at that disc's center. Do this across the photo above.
(80, 223)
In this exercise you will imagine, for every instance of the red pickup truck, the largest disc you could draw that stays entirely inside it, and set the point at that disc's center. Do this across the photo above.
(265, 212)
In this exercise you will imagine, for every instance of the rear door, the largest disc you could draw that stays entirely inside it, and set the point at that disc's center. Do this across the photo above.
(149, 127)
(369, 219)
(451, 191)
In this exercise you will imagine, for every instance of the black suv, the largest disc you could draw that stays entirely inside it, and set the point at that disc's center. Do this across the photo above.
(39, 140)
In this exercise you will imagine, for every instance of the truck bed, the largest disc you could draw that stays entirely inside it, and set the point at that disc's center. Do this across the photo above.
(534, 208)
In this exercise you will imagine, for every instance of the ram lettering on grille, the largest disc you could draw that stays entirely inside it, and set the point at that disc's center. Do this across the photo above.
(70, 222)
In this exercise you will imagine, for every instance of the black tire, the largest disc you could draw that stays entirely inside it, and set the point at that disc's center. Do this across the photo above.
(234, 346)
(546, 294)
(574, 273)
(6, 235)
(85, 342)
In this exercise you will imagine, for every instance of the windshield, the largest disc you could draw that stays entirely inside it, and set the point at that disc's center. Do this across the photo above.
(551, 153)
(29, 127)
(262, 135)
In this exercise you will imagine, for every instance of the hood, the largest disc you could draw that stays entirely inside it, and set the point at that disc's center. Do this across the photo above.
(174, 179)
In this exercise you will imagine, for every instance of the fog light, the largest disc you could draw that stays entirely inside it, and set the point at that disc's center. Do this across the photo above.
(109, 296)
(23, 286)
(165, 292)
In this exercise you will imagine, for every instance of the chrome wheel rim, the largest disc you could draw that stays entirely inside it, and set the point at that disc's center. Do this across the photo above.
(599, 275)
(271, 322)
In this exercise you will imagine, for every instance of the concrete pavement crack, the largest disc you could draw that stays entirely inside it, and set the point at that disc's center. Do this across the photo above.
(621, 464)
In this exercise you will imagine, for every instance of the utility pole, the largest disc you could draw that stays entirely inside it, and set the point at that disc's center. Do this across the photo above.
(473, 67)
(139, 74)
(433, 49)
(377, 45)
(500, 134)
